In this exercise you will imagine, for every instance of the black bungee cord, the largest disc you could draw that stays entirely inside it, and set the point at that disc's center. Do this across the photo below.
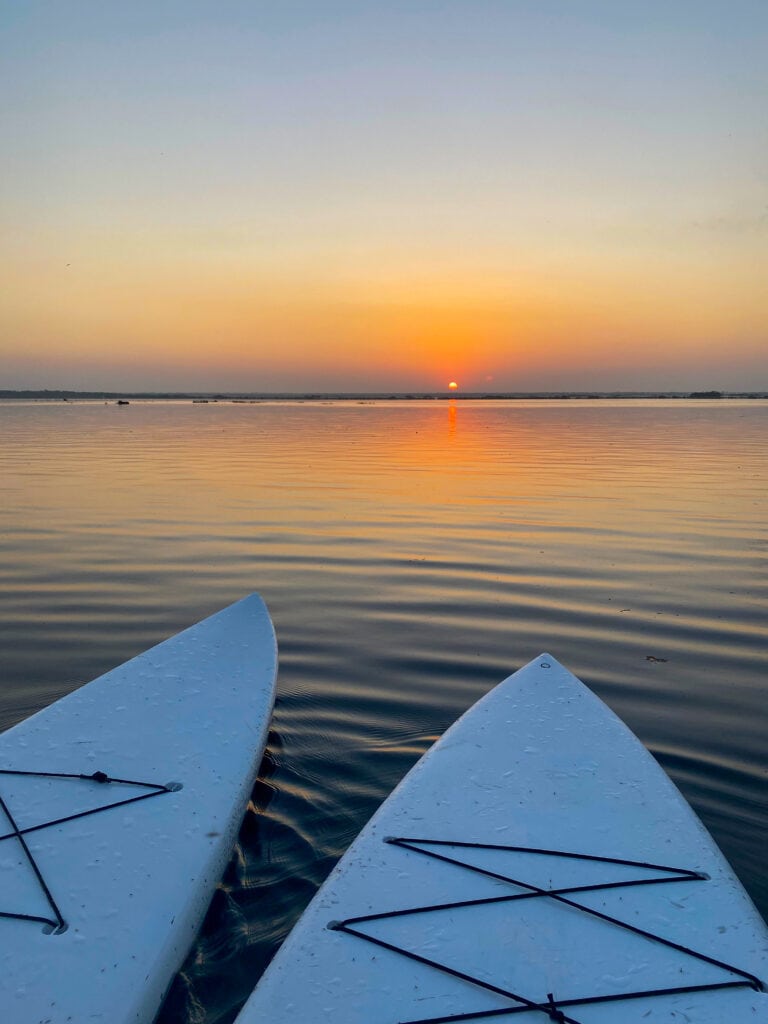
(553, 1008)
(57, 923)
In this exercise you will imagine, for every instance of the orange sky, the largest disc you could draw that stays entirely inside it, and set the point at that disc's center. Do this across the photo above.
(254, 200)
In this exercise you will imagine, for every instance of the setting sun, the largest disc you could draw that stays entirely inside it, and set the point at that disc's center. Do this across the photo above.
(453, 385)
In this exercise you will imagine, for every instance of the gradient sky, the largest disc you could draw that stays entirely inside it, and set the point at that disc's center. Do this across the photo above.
(513, 194)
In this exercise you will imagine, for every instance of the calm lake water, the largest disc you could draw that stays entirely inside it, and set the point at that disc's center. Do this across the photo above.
(412, 555)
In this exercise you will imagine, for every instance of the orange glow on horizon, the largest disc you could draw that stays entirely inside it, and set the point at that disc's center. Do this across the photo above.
(132, 320)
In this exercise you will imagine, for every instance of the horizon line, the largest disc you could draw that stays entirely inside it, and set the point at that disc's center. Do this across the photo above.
(310, 395)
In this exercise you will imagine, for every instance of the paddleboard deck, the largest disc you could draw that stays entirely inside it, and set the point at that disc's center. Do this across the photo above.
(536, 864)
(119, 806)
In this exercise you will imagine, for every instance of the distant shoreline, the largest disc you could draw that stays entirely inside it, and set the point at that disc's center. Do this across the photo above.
(408, 396)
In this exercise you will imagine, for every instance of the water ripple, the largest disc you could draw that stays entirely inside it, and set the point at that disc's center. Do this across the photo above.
(412, 556)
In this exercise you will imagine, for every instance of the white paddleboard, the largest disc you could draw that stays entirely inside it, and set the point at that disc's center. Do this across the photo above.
(536, 864)
(105, 879)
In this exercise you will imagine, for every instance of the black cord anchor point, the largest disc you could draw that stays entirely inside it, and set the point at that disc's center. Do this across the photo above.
(554, 1014)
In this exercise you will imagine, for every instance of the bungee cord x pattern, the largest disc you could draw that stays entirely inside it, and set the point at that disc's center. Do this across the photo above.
(57, 923)
(554, 1008)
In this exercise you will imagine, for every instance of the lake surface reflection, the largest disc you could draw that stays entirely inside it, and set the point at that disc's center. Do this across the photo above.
(412, 555)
